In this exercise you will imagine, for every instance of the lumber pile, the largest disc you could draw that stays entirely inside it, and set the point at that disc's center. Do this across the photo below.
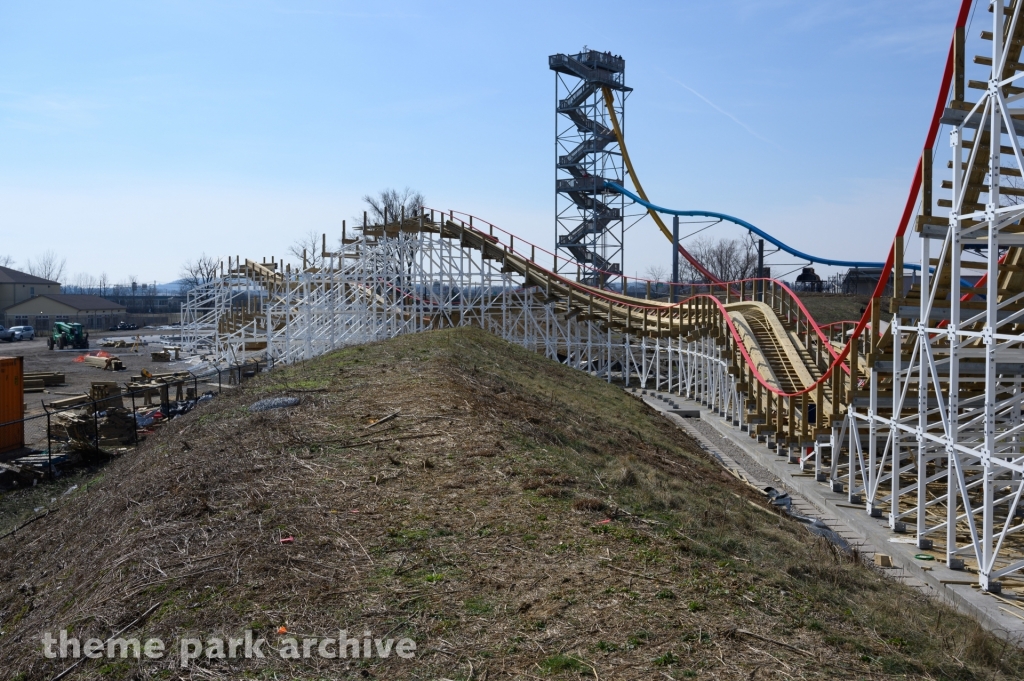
(49, 378)
(161, 356)
(112, 363)
(115, 429)
(68, 402)
(34, 382)
(106, 395)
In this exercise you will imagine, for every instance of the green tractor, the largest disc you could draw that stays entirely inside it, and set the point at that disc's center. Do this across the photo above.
(66, 335)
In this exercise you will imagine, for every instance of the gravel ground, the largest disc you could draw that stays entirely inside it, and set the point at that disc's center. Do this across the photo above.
(78, 375)
(728, 447)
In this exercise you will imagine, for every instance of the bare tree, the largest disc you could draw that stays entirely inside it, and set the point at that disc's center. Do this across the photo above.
(6, 261)
(194, 273)
(727, 259)
(391, 202)
(80, 283)
(309, 246)
(656, 273)
(102, 284)
(1011, 190)
(47, 265)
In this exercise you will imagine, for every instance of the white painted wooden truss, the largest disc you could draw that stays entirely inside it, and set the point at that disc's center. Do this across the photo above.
(959, 459)
(378, 288)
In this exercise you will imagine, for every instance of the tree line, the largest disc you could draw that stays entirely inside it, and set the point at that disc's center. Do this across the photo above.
(727, 259)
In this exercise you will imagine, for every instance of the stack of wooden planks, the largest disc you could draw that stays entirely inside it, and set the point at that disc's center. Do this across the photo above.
(107, 395)
(112, 363)
(35, 382)
(116, 428)
(69, 402)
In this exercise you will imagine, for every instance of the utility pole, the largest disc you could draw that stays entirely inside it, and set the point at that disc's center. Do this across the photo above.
(675, 258)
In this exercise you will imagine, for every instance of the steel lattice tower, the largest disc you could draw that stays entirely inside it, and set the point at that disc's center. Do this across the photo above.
(589, 218)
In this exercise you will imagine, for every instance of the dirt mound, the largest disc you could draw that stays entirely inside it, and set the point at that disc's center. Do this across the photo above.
(504, 515)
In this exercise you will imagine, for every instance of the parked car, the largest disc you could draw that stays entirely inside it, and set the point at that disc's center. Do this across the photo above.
(6, 334)
(124, 326)
(24, 332)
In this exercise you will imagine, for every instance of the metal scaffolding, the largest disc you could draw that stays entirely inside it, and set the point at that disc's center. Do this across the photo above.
(589, 218)
(943, 436)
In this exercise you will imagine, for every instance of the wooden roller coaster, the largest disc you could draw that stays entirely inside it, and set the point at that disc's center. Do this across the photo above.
(914, 411)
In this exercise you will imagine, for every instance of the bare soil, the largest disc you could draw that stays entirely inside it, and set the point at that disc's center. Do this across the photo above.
(514, 517)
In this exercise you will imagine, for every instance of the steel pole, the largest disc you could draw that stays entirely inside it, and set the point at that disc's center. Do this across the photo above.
(760, 269)
(675, 257)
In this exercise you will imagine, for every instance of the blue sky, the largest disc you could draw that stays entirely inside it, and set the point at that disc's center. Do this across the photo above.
(136, 135)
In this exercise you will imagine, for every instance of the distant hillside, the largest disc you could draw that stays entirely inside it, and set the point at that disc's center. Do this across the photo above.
(170, 288)
(512, 517)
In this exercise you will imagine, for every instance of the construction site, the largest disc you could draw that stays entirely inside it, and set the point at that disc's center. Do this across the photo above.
(535, 466)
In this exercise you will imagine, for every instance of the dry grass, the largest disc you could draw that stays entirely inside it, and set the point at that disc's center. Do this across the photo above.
(516, 518)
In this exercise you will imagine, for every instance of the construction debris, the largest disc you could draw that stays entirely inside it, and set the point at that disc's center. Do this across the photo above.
(112, 429)
(106, 395)
(20, 473)
(161, 356)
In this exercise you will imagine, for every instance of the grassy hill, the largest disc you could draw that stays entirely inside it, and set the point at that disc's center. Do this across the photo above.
(827, 308)
(513, 517)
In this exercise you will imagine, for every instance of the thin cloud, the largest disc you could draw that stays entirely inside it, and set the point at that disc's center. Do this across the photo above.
(726, 113)
(927, 39)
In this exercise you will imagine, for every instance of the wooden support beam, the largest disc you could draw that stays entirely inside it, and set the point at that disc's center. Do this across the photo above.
(982, 85)
(959, 40)
(926, 181)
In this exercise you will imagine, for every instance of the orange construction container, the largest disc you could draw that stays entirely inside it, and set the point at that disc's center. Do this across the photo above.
(12, 400)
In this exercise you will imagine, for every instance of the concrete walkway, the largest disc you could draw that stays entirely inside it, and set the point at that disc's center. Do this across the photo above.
(741, 455)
